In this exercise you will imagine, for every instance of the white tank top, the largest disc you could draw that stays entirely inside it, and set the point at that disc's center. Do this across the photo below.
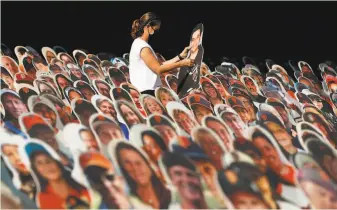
(141, 76)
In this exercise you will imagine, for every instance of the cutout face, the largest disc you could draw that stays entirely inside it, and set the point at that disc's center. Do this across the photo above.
(45, 88)
(105, 106)
(211, 91)
(221, 130)
(129, 113)
(72, 93)
(21, 177)
(116, 76)
(106, 129)
(165, 95)
(13, 105)
(316, 183)
(9, 64)
(164, 126)
(149, 140)
(200, 107)
(85, 89)
(102, 88)
(48, 54)
(38, 127)
(234, 122)
(181, 115)
(40, 64)
(127, 157)
(188, 78)
(103, 178)
(121, 94)
(183, 175)
(152, 105)
(172, 82)
(83, 109)
(91, 72)
(210, 144)
(48, 168)
(66, 58)
(62, 82)
(7, 78)
(76, 72)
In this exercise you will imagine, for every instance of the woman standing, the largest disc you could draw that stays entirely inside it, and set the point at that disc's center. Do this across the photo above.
(145, 68)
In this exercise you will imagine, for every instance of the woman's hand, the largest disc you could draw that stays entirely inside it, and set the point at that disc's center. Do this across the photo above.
(187, 62)
(183, 54)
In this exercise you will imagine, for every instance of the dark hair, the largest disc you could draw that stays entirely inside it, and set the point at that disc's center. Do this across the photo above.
(163, 194)
(171, 159)
(245, 145)
(34, 130)
(65, 173)
(158, 139)
(139, 24)
(200, 27)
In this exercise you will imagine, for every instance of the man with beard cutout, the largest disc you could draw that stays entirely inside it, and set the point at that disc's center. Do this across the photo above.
(185, 178)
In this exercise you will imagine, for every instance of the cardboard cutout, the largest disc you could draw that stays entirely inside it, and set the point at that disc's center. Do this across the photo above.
(129, 113)
(105, 65)
(188, 78)
(59, 49)
(7, 78)
(110, 185)
(83, 110)
(200, 106)
(86, 90)
(82, 139)
(165, 95)
(152, 106)
(196, 195)
(221, 129)
(78, 195)
(125, 71)
(10, 64)
(164, 125)
(45, 88)
(122, 152)
(211, 144)
(116, 76)
(25, 91)
(62, 82)
(149, 140)
(91, 72)
(20, 52)
(171, 82)
(76, 72)
(90, 62)
(71, 93)
(211, 91)
(20, 174)
(324, 154)
(42, 106)
(234, 122)
(102, 87)
(48, 54)
(65, 57)
(276, 161)
(182, 117)
(105, 129)
(79, 56)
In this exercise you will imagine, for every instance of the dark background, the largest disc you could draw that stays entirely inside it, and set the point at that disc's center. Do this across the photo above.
(277, 30)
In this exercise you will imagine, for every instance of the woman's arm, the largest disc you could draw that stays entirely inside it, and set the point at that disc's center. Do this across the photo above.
(153, 64)
(183, 54)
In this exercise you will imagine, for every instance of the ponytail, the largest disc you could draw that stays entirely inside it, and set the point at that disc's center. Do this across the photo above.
(135, 29)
